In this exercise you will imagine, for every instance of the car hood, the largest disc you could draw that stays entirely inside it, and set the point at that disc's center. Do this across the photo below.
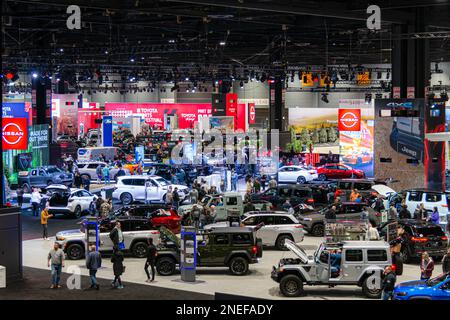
(179, 186)
(298, 251)
(310, 215)
(222, 224)
(383, 190)
(186, 207)
(412, 284)
(70, 233)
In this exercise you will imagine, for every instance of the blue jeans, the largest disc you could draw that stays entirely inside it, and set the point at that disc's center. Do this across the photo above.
(56, 273)
(107, 179)
(387, 295)
(35, 209)
(93, 277)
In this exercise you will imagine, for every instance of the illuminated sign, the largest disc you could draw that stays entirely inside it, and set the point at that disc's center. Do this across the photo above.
(14, 134)
(349, 120)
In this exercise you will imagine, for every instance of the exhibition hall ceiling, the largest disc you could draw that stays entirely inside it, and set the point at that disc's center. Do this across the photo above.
(198, 33)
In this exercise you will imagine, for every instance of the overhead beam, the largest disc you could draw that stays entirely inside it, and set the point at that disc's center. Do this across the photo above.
(388, 17)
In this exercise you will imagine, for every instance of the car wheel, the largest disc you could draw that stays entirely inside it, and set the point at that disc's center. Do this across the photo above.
(238, 266)
(126, 198)
(318, 230)
(291, 286)
(77, 212)
(165, 266)
(371, 293)
(139, 249)
(279, 244)
(322, 177)
(75, 252)
(405, 256)
(301, 180)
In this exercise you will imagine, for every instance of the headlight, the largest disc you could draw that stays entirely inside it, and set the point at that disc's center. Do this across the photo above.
(59, 238)
(401, 294)
(307, 219)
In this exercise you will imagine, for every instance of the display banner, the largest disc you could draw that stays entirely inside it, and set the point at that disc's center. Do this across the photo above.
(107, 131)
(139, 153)
(153, 113)
(251, 113)
(17, 110)
(39, 137)
(434, 153)
(15, 133)
(240, 123)
(218, 104)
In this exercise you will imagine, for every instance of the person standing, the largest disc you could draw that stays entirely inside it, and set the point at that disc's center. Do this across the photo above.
(19, 193)
(86, 181)
(106, 208)
(388, 283)
(116, 236)
(118, 269)
(286, 205)
(234, 180)
(151, 257)
(106, 174)
(93, 263)
(331, 214)
(263, 182)
(44, 222)
(272, 183)
(55, 260)
(193, 194)
(392, 213)
(446, 262)
(169, 196)
(426, 266)
(99, 173)
(77, 181)
(257, 186)
(249, 186)
(372, 232)
(196, 216)
(404, 212)
(420, 213)
(35, 201)
(434, 218)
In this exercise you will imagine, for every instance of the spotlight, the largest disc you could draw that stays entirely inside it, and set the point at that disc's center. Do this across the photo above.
(35, 75)
(222, 43)
(324, 98)
(131, 60)
(106, 52)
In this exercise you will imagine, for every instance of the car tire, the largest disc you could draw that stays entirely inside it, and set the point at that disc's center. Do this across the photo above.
(165, 266)
(301, 180)
(126, 198)
(370, 293)
(291, 286)
(238, 266)
(75, 251)
(139, 249)
(322, 177)
(318, 230)
(279, 244)
(77, 212)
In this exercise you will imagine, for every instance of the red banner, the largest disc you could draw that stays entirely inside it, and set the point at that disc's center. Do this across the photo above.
(349, 120)
(14, 134)
(153, 113)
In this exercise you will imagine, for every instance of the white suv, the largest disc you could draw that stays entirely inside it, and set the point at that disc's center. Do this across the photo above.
(141, 188)
(70, 201)
(277, 226)
(298, 174)
(89, 169)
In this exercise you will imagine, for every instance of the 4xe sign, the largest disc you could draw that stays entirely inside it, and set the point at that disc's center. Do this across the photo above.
(14, 134)
(349, 120)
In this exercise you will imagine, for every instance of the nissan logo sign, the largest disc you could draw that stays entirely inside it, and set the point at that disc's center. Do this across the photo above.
(349, 120)
(12, 133)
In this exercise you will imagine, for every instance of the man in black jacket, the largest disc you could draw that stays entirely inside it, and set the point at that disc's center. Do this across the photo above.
(116, 236)
(93, 263)
(388, 284)
(331, 213)
(151, 257)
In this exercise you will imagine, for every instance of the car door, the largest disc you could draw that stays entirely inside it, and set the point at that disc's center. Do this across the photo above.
(128, 231)
(269, 231)
(331, 171)
(344, 172)
(206, 250)
(282, 174)
(87, 199)
(152, 190)
(139, 189)
(105, 243)
(352, 264)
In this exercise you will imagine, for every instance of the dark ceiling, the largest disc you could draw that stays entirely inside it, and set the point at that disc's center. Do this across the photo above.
(188, 33)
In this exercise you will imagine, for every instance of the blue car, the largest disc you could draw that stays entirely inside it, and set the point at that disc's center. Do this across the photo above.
(434, 289)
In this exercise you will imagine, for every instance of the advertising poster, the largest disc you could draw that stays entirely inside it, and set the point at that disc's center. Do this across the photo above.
(15, 133)
(153, 113)
(398, 143)
(107, 131)
(17, 110)
(222, 123)
(316, 126)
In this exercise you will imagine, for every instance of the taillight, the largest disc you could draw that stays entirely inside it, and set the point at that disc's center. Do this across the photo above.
(298, 226)
(310, 200)
(254, 249)
(419, 239)
(444, 238)
(154, 232)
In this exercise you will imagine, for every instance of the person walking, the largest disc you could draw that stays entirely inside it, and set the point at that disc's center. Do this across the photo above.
(331, 214)
(263, 182)
(44, 222)
(434, 217)
(105, 208)
(234, 180)
(99, 173)
(388, 283)
(193, 194)
(19, 192)
(196, 216)
(93, 263)
(446, 262)
(35, 201)
(257, 186)
(55, 261)
(118, 269)
(77, 181)
(151, 257)
(426, 266)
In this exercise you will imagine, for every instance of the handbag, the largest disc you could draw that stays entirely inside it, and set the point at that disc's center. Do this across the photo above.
(122, 246)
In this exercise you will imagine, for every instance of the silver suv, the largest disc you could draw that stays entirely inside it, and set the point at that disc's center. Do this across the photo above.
(136, 232)
(273, 227)
(89, 170)
(358, 263)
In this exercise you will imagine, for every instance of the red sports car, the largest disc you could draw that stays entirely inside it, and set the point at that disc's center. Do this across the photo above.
(338, 171)
(168, 218)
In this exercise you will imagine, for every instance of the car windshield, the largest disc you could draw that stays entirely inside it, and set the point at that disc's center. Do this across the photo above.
(53, 170)
(434, 281)
(163, 182)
